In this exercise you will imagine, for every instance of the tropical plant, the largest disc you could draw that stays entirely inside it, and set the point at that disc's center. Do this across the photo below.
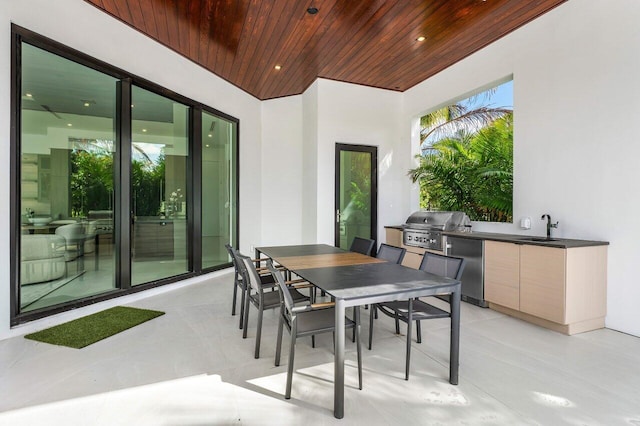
(467, 162)
(92, 178)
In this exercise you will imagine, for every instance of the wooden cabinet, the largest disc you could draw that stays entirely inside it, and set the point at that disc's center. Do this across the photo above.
(502, 274)
(561, 289)
(153, 240)
(413, 256)
(542, 282)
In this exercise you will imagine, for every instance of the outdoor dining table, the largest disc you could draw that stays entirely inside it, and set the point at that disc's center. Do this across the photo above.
(354, 279)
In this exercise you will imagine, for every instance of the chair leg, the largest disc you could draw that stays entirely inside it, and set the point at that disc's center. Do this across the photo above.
(371, 314)
(397, 324)
(353, 335)
(245, 322)
(418, 332)
(279, 341)
(258, 332)
(243, 304)
(359, 346)
(235, 297)
(313, 341)
(292, 352)
(409, 322)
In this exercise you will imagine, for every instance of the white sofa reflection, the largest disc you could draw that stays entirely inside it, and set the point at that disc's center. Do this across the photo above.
(41, 258)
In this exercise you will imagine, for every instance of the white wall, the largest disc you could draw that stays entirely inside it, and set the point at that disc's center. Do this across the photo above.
(281, 183)
(361, 115)
(576, 106)
(309, 164)
(83, 27)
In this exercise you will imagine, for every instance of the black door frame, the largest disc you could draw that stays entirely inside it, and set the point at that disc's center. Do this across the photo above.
(373, 150)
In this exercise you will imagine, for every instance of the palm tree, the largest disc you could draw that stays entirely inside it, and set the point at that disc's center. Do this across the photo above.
(467, 161)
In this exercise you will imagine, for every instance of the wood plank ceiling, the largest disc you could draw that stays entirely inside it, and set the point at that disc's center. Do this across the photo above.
(373, 43)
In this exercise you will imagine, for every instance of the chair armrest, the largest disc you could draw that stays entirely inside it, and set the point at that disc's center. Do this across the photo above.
(323, 305)
(301, 286)
(312, 307)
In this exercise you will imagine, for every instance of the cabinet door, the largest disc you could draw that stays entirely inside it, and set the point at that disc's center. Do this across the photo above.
(393, 237)
(542, 282)
(502, 274)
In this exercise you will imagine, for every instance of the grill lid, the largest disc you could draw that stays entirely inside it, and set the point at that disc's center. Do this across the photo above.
(438, 220)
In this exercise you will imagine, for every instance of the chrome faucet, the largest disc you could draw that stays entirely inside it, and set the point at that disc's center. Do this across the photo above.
(549, 225)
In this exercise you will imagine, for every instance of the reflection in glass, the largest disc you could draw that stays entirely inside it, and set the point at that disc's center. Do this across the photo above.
(158, 187)
(355, 196)
(218, 188)
(66, 181)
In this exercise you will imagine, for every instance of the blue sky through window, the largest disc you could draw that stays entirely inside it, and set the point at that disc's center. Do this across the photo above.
(501, 98)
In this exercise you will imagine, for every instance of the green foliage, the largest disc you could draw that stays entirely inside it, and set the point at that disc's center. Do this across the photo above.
(92, 182)
(359, 192)
(470, 171)
(147, 184)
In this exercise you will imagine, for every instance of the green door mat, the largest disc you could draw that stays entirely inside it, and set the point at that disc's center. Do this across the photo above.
(92, 328)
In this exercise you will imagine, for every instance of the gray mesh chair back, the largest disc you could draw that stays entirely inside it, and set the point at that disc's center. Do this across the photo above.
(362, 245)
(237, 283)
(285, 295)
(391, 253)
(444, 266)
(255, 295)
(307, 320)
(251, 273)
(417, 310)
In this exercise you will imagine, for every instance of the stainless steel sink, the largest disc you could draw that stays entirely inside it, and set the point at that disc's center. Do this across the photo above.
(538, 239)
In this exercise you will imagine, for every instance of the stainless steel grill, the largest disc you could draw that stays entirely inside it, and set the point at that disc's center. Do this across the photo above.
(424, 228)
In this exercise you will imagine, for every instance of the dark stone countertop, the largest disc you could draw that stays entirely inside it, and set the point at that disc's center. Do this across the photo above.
(526, 239)
(520, 239)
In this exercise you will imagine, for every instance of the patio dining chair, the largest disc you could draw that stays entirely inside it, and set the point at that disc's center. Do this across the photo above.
(261, 299)
(362, 246)
(308, 320)
(238, 284)
(391, 254)
(415, 309)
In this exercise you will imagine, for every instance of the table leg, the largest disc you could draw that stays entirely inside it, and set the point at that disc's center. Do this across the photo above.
(338, 391)
(454, 351)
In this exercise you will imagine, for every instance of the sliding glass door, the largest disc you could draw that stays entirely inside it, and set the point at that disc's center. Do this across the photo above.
(219, 138)
(118, 185)
(66, 181)
(160, 142)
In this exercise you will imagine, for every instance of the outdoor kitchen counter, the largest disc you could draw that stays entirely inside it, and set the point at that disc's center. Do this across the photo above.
(525, 239)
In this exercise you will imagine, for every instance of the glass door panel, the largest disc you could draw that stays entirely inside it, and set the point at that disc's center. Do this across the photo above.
(66, 181)
(356, 193)
(218, 188)
(160, 148)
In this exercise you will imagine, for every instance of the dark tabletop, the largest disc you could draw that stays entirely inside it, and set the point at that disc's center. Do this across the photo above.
(355, 281)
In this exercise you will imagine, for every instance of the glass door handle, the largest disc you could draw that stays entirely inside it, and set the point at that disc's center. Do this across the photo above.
(338, 216)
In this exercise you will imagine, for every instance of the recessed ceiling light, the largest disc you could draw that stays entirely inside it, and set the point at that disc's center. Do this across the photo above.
(312, 10)
(278, 67)
(69, 124)
(207, 145)
(144, 130)
(421, 38)
(28, 95)
(131, 105)
(209, 135)
(87, 104)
